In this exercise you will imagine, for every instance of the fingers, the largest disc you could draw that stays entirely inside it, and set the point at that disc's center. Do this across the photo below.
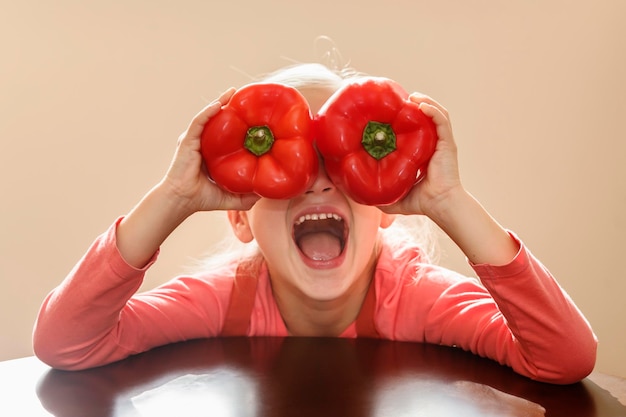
(231, 201)
(395, 208)
(212, 108)
(444, 129)
(420, 98)
(438, 113)
(197, 124)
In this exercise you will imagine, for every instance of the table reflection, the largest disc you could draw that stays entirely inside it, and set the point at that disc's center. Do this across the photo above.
(307, 377)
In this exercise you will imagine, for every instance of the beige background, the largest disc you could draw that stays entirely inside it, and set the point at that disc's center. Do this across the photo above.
(93, 96)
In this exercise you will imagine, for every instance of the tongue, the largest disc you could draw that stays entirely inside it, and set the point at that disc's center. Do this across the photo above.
(320, 246)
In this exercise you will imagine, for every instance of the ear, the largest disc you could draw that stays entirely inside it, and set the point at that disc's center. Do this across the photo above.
(386, 220)
(240, 225)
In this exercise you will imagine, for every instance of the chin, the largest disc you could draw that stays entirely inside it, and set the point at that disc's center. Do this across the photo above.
(326, 288)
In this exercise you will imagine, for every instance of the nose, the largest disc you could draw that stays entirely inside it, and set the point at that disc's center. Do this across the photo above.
(322, 182)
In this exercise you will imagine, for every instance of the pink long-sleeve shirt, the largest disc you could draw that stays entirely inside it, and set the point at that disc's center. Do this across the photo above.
(519, 316)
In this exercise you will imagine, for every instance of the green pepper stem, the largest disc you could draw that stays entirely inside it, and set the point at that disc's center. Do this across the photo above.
(379, 139)
(259, 140)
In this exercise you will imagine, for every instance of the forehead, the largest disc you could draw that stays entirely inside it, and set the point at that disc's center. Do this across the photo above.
(316, 96)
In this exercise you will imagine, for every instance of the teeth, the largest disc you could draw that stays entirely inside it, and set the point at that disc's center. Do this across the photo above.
(318, 216)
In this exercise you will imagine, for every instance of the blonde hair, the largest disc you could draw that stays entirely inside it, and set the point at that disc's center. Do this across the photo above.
(405, 231)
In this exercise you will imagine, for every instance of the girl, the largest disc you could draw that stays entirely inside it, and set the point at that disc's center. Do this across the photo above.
(367, 282)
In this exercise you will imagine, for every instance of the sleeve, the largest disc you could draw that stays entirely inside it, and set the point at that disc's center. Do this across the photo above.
(95, 317)
(519, 317)
(550, 339)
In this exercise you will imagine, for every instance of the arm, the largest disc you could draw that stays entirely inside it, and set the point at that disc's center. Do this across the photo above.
(442, 197)
(520, 317)
(88, 320)
(533, 325)
(184, 190)
(94, 317)
(550, 339)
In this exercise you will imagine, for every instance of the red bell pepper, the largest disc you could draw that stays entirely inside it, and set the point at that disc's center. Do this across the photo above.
(375, 142)
(261, 142)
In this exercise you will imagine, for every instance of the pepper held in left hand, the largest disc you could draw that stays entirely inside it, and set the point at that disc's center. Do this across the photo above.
(375, 142)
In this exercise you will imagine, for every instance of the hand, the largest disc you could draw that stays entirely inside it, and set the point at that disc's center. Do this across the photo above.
(442, 175)
(185, 189)
(187, 179)
(442, 197)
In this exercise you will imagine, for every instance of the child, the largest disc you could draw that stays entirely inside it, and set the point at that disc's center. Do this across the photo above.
(374, 284)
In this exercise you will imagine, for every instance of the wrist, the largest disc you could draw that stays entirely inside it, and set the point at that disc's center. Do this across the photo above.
(174, 204)
(149, 223)
(443, 207)
(479, 236)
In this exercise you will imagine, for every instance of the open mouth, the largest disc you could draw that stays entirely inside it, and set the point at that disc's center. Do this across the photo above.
(320, 236)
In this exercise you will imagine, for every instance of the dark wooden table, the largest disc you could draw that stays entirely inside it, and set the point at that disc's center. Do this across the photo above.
(294, 377)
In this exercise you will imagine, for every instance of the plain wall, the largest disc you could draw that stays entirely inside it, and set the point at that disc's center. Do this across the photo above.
(93, 96)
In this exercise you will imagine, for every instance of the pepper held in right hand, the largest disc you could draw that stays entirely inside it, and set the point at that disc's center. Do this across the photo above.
(260, 142)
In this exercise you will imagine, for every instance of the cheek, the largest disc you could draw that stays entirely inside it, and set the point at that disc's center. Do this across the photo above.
(367, 222)
(268, 222)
